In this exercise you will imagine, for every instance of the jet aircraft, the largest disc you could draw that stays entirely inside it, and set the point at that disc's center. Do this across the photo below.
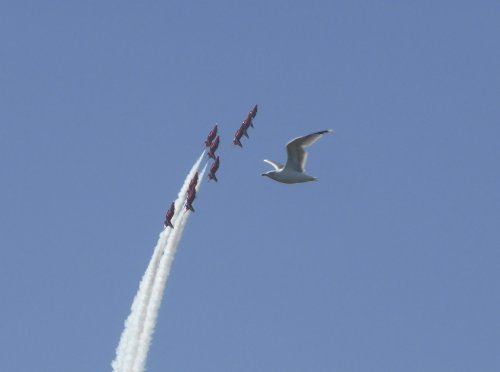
(238, 135)
(213, 169)
(213, 148)
(253, 112)
(193, 182)
(248, 120)
(169, 215)
(211, 136)
(247, 123)
(190, 199)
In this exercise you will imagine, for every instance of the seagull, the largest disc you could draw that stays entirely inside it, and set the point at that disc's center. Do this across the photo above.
(293, 170)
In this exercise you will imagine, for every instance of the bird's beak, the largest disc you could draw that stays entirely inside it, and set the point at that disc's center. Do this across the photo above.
(263, 174)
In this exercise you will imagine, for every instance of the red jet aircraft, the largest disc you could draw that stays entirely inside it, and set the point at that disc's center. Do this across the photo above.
(239, 133)
(169, 215)
(213, 169)
(190, 199)
(248, 120)
(253, 112)
(211, 136)
(213, 148)
(247, 123)
(193, 182)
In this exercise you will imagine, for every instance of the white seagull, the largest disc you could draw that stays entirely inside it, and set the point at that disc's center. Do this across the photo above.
(293, 170)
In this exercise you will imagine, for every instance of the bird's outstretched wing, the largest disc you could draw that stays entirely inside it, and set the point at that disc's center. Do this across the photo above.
(275, 164)
(297, 156)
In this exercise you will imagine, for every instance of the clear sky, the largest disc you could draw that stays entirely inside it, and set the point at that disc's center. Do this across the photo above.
(391, 262)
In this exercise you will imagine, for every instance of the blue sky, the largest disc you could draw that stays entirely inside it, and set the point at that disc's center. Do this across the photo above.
(389, 263)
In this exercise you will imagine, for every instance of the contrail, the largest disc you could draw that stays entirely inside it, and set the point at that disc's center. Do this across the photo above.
(159, 287)
(134, 325)
(133, 322)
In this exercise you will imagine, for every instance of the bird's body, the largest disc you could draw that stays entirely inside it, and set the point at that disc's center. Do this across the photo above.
(294, 169)
(289, 176)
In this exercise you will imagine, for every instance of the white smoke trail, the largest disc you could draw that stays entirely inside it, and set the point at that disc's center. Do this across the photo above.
(159, 287)
(133, 324)
(128, 345)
